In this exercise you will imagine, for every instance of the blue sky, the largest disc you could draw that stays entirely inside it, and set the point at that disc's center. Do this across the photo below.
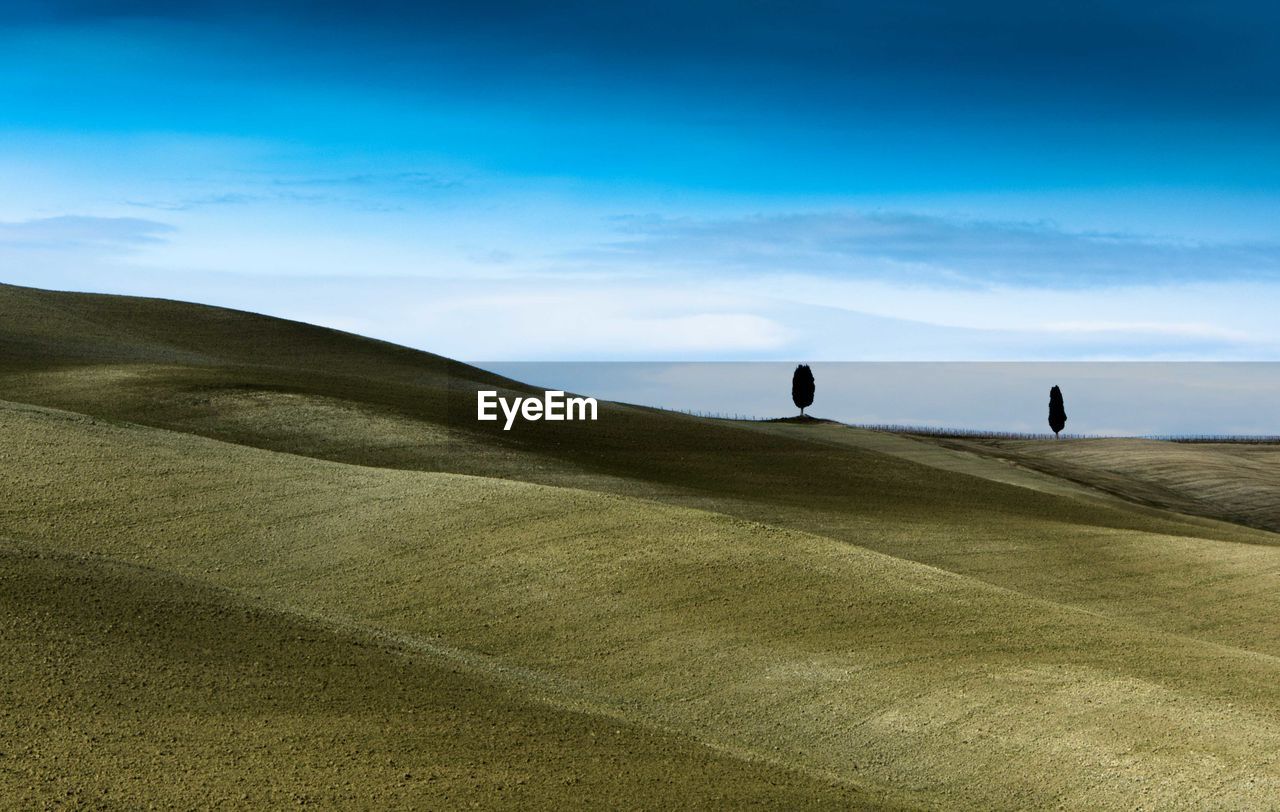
(663, 180)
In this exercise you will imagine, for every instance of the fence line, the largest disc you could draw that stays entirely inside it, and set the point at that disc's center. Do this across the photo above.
(751, 418)
(1256, 439)
(966, 434)
(986, 434)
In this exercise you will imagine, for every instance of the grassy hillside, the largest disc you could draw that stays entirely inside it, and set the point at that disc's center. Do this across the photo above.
(125, 687)
(916, 685)
(811, 613)
(1234, 482)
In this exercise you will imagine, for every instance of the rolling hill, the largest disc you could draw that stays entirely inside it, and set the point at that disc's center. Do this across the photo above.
(126, 687)
(1235, 482)
(804, 614)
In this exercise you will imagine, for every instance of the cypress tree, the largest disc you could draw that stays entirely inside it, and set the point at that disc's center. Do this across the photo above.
(802, 388)
(1057, 411)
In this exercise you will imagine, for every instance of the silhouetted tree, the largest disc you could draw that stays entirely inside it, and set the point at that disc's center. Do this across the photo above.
(802, 388)
(1057, 412)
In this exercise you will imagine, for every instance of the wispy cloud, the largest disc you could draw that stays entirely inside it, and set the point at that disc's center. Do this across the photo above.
(43, 251)
(1176, 330)
(78, 232)
(416, 180)
(366, 191)
(198, 202)
(914, 247)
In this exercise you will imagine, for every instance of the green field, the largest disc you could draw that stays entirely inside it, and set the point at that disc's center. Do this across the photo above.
(251, 562)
